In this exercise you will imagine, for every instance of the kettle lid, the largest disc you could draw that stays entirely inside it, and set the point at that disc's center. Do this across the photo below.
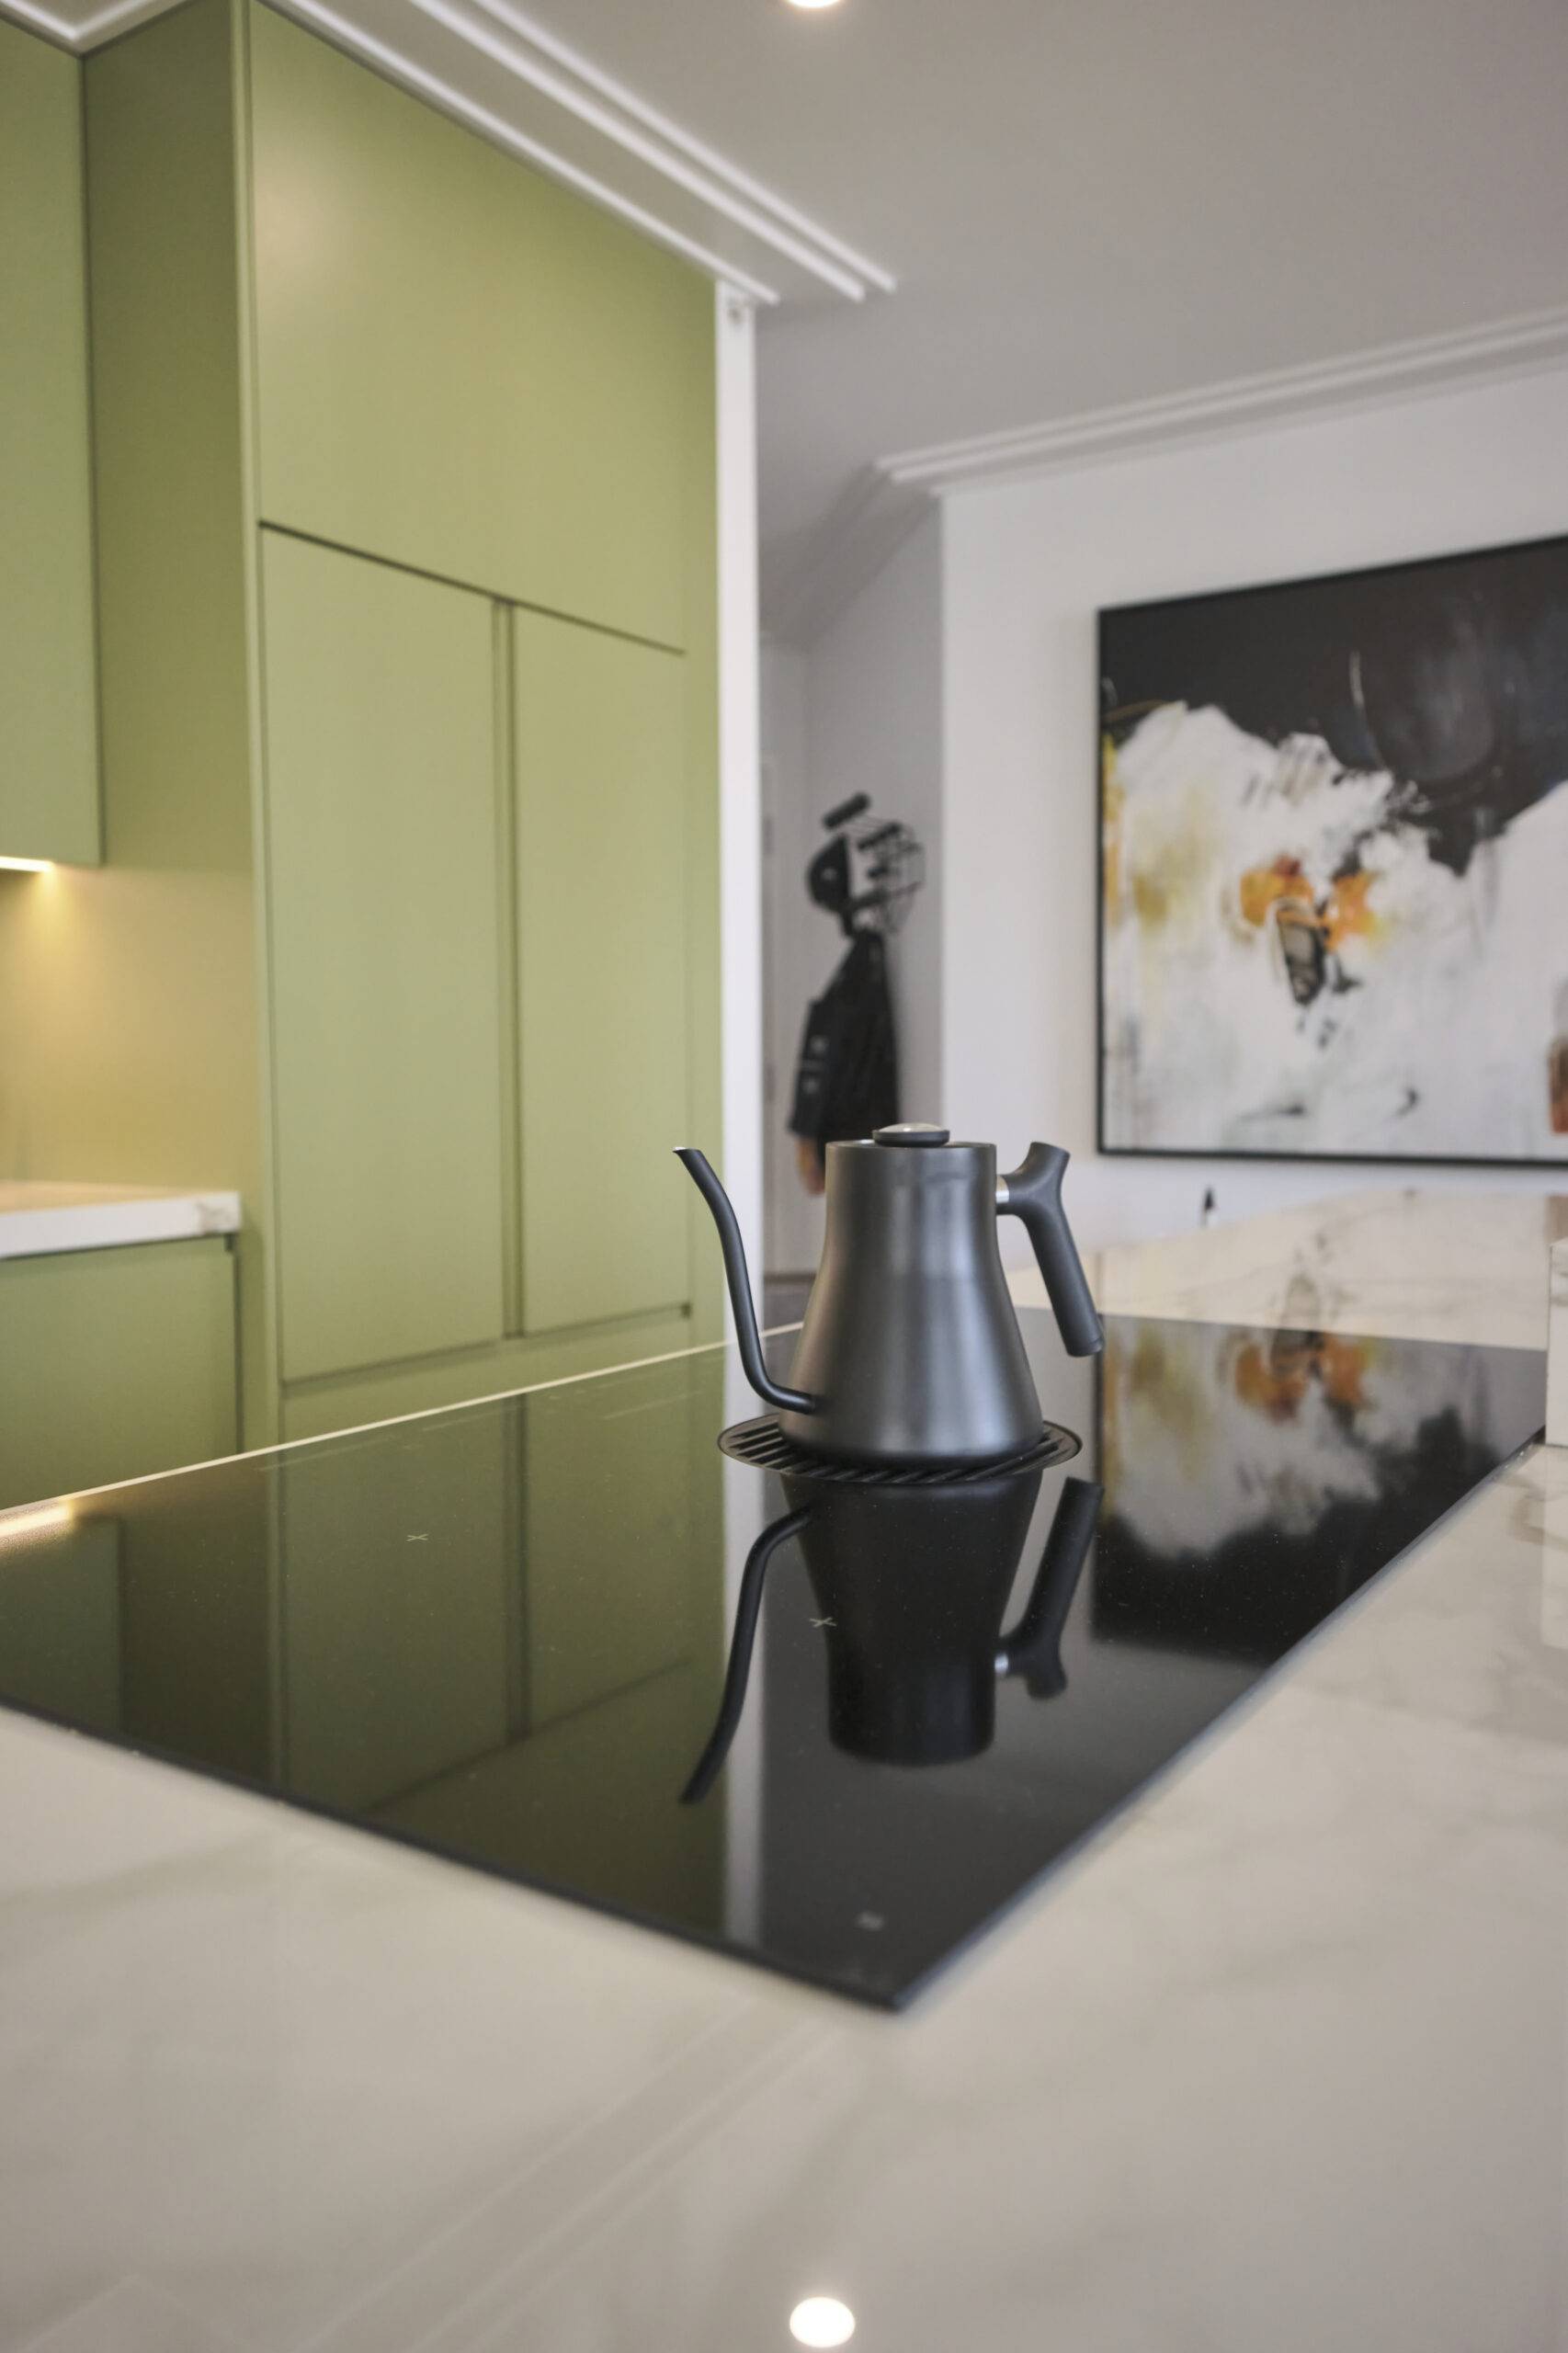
(911, 1131)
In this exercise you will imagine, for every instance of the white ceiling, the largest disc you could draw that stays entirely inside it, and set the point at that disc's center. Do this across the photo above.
(1085, 202)
(1090, 202)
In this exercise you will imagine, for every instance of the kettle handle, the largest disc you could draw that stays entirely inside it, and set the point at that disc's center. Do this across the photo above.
(1033, 1648)
(1032, 1192)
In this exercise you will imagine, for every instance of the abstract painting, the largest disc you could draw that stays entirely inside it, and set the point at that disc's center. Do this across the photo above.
(1334, 905)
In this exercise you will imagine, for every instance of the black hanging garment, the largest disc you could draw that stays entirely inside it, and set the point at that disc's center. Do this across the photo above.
(846, 1079)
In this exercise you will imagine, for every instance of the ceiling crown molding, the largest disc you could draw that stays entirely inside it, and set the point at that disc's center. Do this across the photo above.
(540, 57)
(490, 66)
(1386, 372)
(83, 32)
(448, 99)
(806, 587)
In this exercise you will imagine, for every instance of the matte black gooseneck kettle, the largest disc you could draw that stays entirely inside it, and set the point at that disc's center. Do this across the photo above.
(911, 1352)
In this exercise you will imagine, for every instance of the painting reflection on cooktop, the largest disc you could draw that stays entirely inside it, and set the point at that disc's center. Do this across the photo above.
(836, 1730)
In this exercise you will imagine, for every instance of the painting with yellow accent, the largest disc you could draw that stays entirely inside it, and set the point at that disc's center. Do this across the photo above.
(1335, 866)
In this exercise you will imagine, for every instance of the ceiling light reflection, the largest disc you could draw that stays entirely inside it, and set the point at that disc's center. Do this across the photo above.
(822, 2320)
(35, 1519)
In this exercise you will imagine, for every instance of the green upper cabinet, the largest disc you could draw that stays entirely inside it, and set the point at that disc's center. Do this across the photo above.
(382, 817)
(49, 773)
(461, 365)
(599, 735)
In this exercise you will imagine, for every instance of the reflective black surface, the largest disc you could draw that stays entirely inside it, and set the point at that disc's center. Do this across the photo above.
(505, 1633)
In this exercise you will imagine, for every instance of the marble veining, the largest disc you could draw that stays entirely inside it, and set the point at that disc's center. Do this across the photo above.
(1282, 2061)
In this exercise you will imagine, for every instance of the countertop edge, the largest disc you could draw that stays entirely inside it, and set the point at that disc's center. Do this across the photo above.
(62, 1227)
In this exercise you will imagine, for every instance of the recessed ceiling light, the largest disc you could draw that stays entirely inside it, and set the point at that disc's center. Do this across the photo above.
(813, 4)
(822, 2320)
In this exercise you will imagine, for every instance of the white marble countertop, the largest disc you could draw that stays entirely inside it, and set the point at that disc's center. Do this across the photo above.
(39, 1219)
(1280, 2062)
(1396, 1264)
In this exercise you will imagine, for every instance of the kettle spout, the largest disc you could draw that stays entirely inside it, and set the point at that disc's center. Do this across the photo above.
(788, 1400)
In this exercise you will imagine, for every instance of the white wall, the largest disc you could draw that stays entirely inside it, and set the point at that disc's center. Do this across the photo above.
(740, 799)
(798, 945)
(858, 710)
(1023, 569)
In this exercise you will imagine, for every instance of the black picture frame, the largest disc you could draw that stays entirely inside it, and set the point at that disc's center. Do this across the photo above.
(1352, 579)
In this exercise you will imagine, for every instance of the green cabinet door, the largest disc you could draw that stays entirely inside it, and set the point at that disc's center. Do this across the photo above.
(49, 761)
(463, 365)
(383, 928)
(599, 748)
(113, 1364)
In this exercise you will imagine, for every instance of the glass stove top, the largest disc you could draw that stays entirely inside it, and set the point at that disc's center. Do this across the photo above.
(832, 1730)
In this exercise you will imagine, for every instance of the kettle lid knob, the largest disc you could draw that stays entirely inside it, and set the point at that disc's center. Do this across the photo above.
(911, 1132)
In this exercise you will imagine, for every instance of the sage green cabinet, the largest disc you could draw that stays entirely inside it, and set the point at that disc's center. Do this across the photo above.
(49, 758)
(404, 837)
(114, 1363)
(405, 484)
(381, 852)
(599, 730)
(460, 365)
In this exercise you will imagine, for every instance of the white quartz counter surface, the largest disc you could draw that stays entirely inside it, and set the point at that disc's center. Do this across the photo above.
(1281, 2062)
(37, 1220)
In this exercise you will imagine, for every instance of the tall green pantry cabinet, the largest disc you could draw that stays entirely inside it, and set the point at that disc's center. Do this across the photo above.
(429, 604)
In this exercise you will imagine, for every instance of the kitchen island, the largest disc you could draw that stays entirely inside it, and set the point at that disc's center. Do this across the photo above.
(1279, 2060)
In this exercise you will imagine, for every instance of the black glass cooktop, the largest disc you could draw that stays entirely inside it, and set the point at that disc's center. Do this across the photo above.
(835, 1729)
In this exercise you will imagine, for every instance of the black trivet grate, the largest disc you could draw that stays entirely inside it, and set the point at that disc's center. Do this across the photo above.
(764, 1445)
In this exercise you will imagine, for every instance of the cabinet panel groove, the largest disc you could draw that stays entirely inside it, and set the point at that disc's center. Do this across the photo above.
(507, 976)
(473, 587)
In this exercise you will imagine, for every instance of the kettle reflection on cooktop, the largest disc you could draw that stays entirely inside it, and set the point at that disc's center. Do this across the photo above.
(911, 1585)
